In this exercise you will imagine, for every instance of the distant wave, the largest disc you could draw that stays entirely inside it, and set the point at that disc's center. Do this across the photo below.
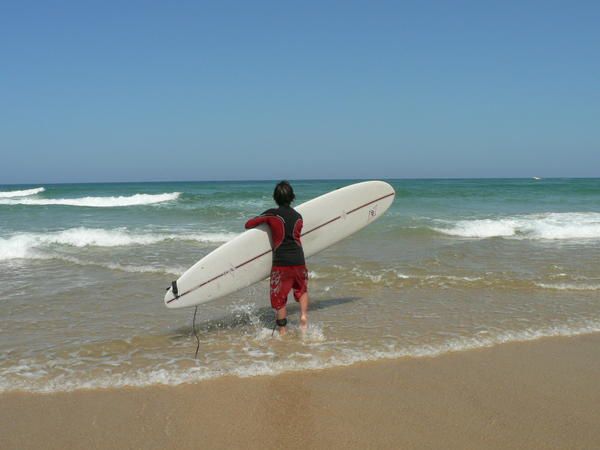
(551, 226)
(96, 202)
(26, 245)
(23, 193)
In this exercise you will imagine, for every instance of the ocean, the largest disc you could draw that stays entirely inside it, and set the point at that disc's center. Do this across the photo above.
(454, 265)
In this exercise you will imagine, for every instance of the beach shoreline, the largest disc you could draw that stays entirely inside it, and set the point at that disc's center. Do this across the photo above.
(538, 394)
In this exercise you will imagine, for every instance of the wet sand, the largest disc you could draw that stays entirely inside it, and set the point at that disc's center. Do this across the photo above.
(540, 394)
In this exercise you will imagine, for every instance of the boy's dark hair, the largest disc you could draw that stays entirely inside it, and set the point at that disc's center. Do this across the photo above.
(283, 193)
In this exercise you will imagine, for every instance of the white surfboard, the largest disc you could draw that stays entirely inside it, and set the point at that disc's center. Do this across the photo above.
(247, 258)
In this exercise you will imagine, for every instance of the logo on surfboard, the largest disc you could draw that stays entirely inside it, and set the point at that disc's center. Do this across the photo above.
(372, 213)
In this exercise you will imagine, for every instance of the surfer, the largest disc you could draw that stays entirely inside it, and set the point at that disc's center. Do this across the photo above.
(289, 268)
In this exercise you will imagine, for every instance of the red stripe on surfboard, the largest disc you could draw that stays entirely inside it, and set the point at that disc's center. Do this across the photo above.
(349, 212)
(369, 203)
(269, 251)
(219, 276)
(322, 225)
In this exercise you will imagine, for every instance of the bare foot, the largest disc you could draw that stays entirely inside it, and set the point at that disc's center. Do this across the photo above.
(303, 322)
(282, 331)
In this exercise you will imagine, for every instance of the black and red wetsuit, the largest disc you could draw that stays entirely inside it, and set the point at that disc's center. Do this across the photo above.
(289, 268)
(286, 228)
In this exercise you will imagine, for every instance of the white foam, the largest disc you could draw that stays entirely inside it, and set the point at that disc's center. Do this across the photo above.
(97, 202)
(569, 286)
(14, 249)
(453, 278)
(26, 245)
(375, 278)
(30, 376)
(549, 226)
(484, 228)
(313, 334)
(22, 193)
(382, 275)
(402, 276)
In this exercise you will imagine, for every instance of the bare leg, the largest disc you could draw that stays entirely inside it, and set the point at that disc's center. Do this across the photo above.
(303, 311)
(282, 314)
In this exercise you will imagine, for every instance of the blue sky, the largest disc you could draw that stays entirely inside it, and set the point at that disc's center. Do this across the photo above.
(129, 91)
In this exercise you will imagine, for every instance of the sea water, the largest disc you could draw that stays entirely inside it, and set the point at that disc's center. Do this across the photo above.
(453, 265)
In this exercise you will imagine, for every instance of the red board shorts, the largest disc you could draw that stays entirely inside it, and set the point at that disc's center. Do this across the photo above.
(283, 279)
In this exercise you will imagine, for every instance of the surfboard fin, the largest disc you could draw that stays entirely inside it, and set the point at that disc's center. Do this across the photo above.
(174, 289)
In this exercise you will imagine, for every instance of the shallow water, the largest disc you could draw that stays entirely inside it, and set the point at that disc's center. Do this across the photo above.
(453, 265)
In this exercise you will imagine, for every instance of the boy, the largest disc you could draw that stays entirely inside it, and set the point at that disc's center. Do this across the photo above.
(289, 268)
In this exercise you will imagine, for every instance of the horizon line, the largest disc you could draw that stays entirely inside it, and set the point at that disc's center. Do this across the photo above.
(302, 179)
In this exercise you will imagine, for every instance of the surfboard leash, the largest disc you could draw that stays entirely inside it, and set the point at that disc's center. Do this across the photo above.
(195, 332)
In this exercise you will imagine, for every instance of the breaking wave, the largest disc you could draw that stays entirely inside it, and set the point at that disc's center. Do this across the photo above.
(96, 202)
(25, 245)
(22, 193)
(550, 226)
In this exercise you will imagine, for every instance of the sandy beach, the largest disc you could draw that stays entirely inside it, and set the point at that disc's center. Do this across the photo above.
(540, 394)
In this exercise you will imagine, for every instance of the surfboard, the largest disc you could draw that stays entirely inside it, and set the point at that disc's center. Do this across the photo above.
(247, 258)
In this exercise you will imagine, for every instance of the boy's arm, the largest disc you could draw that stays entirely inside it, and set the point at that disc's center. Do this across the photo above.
(275, 223)
(256, 221)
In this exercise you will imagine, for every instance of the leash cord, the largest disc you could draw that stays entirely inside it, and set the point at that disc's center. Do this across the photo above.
(195, 332)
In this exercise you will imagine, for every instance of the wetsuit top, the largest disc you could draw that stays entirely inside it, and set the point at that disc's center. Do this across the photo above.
(286, 228)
